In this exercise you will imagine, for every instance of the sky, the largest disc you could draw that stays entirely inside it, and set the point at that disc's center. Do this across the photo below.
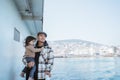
(91, 20)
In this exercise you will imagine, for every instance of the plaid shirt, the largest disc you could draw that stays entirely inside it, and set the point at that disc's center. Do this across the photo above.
(45, 62)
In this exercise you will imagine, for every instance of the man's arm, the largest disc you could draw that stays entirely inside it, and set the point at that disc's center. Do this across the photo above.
(49, 61)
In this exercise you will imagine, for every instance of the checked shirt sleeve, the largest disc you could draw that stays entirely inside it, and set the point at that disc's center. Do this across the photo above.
(49, 59)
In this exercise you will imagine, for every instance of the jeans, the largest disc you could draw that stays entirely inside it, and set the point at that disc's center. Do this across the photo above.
(32, 71)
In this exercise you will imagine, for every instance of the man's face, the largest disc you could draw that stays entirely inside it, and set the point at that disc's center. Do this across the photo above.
(41, 38)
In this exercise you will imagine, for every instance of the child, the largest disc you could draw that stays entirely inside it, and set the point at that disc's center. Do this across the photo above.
(30, 55)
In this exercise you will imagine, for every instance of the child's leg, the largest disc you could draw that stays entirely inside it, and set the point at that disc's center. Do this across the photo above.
(32, 71)
(31, 62)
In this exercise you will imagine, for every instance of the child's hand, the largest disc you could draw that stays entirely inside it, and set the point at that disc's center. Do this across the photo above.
(42, 48)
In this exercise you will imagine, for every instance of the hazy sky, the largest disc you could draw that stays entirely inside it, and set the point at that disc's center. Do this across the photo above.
(91, 20)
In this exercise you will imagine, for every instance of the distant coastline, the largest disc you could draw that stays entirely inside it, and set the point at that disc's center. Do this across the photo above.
(75, 48)
(86, 56)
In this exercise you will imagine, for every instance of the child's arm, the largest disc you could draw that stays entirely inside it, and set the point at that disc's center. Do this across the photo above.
(35, 49)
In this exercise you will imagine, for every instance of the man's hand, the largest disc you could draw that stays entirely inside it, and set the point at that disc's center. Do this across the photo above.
(30, 64)
(48, 73)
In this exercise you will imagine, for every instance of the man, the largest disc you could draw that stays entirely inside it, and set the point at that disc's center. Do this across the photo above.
(43, 60)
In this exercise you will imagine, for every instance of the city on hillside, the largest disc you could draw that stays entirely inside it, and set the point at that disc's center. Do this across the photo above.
(81, 48)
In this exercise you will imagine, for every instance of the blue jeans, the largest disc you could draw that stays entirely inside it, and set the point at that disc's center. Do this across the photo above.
(32, 71)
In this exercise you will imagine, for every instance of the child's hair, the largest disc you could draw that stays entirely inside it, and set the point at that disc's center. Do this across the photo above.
(28, 39)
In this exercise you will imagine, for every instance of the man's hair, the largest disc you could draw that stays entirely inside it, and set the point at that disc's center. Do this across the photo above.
(42, 33)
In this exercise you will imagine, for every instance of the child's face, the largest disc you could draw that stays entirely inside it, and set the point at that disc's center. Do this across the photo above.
(32, 42)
